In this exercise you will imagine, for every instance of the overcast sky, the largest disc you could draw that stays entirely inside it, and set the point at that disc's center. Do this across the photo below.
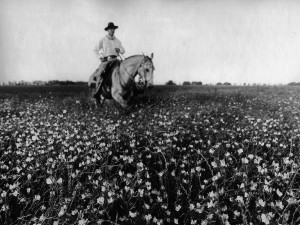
(238, 41)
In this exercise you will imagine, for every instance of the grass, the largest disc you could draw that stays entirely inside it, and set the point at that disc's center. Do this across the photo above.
(182, 155)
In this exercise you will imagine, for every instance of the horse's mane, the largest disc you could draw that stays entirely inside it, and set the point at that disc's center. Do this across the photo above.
(132, 56)
(139, 55)
(147, 57)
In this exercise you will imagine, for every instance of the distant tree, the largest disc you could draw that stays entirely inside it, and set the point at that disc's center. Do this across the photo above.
(81, 82)
(53, 82)
(186, 83)
(294, 84)
(170, 82)
(67, 82)
(196, 83)
(227, 83)
(219, 83)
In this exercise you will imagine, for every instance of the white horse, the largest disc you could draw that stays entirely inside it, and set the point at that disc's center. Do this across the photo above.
(119, 84)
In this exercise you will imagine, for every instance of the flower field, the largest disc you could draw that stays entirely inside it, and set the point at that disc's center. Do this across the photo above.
(181, 155)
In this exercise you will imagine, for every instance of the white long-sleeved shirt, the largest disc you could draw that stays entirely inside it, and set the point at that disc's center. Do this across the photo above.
(108, 45)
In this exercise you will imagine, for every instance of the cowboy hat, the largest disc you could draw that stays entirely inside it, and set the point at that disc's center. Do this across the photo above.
(111, 26)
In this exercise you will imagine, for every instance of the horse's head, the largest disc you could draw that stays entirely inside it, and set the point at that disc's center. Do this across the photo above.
(146, 72)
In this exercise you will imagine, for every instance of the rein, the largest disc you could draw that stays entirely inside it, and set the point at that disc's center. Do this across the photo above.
(127, 72)
(122, 59)
(131, 76)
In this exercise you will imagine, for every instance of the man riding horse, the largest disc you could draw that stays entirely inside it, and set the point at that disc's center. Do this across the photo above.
(115, 79)
(111, 47)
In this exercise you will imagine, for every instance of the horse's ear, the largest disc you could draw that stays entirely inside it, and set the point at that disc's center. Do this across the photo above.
(151, 55)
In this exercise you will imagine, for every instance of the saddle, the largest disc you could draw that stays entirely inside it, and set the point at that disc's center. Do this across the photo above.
(111, 65)
(106, 75)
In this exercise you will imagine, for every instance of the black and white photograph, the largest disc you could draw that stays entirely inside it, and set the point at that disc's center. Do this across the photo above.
(159, 112)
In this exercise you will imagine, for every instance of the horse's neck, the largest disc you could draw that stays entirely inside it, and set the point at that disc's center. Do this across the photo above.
(131, 65)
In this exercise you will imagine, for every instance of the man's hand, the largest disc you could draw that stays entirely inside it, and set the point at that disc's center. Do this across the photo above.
(117, 50)
(101, 59)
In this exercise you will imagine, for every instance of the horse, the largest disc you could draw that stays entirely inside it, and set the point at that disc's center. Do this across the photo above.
(119, 84)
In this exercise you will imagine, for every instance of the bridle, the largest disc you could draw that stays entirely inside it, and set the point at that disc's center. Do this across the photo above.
(147, 59)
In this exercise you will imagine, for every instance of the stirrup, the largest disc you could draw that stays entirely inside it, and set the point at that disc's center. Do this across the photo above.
(94, 95)
(98, 89)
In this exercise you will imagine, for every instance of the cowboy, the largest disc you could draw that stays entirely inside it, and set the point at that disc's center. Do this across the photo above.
(111, 47)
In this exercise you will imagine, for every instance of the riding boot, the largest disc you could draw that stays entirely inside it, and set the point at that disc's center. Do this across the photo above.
(97, 92)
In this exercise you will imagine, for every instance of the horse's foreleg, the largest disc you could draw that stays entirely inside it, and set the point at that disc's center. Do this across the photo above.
(118, 97)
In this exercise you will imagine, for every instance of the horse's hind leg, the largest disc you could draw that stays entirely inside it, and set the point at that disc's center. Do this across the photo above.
(102, 99)
(99, 101)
